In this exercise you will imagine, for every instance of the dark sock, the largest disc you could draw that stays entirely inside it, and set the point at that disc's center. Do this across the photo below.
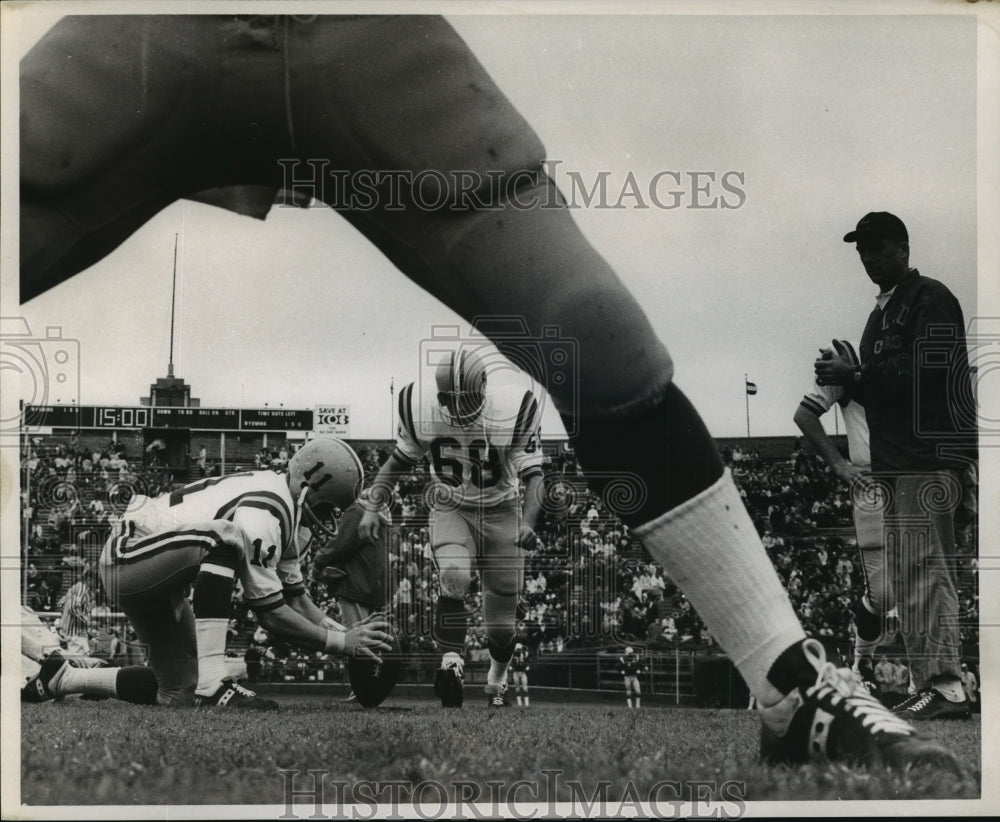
(792, 670)
(869, 624)
(137, 684)
(450, 624)
(667, 447)
(501, 654)
(212, 596)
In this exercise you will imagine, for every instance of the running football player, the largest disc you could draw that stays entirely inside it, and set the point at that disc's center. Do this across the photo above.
(482, 441)
(233, 100)
(255, 526)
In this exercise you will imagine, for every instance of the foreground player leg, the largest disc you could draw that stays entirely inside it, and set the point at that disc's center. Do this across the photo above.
(690, 516)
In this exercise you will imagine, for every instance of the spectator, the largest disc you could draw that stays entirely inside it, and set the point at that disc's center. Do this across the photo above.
(971, 687)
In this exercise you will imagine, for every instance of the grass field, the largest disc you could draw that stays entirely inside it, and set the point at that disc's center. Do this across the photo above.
(85, 753)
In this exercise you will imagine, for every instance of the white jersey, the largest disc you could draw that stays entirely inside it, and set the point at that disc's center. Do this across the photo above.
(821, 399)
(259, 502)
(480, 463)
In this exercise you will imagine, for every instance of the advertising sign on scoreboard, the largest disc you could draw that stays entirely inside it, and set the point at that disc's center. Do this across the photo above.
(333, 419)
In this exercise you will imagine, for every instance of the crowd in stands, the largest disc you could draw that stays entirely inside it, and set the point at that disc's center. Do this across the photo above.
(587, 581)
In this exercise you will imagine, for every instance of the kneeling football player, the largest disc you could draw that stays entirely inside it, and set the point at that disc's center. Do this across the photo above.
(208, 533)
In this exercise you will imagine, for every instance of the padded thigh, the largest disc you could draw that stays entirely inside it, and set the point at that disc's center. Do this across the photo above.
(404, 93)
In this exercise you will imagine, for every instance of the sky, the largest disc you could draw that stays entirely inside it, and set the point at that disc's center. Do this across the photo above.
(811, 121)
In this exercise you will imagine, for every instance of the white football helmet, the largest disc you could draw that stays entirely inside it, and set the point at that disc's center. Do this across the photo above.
(461, 386)
(629, 652)
(323, 475)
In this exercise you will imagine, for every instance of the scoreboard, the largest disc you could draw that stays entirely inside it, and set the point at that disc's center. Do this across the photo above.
(196, 419)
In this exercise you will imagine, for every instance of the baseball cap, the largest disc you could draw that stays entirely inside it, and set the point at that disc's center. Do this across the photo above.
(879, 224)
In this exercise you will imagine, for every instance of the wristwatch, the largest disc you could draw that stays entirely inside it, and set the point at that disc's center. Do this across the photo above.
(857, 373)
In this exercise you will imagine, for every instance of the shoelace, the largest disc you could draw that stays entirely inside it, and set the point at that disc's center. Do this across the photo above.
(840, 686)
(921, 703)
(243, 691)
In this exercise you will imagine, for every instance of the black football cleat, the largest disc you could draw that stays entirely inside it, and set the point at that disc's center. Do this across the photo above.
(932, 704)
(836, 719)
(231, 694)
(39, 687)
(496, 696)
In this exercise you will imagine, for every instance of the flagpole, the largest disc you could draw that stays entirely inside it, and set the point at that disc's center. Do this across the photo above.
(392, 415)
(746, 396)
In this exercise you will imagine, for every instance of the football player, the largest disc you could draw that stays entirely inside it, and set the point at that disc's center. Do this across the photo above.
(449, 680)
(355, 571)
(233, 100)
(867, 500)
(252, 525)
(632, 668)
(519, 668)
(482, 442)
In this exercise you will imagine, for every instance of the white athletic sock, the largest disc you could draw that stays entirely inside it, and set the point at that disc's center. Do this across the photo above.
(519, 701)
(710, 548)
(638, 702)
(629, 701)
(526, 702)
(211, 636)
(86, 681)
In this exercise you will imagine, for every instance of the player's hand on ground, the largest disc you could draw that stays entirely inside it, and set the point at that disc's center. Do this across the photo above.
(367, 637)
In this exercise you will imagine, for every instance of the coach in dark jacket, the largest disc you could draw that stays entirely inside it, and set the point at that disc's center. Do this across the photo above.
(354, 569)
(915, 385)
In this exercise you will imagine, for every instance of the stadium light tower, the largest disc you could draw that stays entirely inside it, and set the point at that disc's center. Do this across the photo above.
(173, 304)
